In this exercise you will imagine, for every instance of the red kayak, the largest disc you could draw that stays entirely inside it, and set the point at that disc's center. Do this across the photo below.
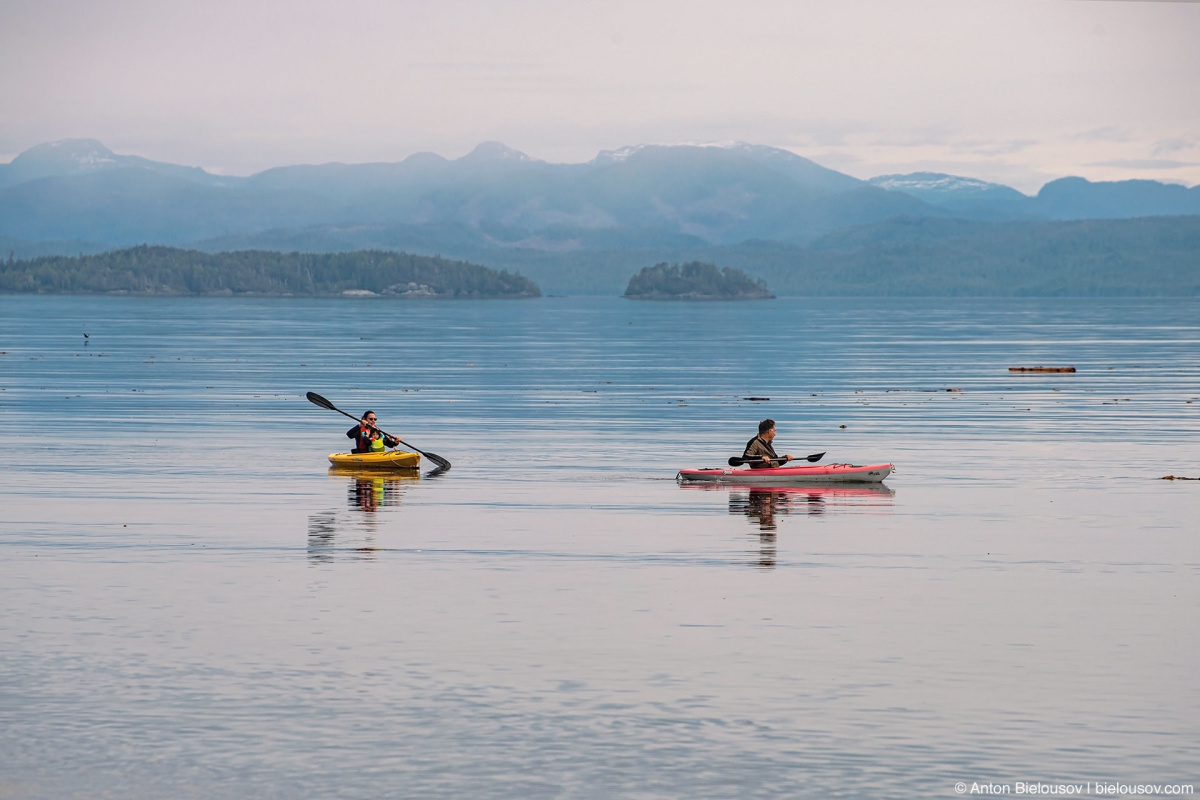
(783, 476)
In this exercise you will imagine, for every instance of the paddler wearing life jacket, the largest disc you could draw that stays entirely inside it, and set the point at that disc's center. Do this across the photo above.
(760, 446)
(367, 438)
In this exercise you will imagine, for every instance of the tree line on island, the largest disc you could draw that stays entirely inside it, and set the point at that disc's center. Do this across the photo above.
(172, 271)
(695, 280)
(152, 270)
(904, 257)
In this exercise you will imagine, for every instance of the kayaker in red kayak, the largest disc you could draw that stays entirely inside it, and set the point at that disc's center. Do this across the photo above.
(760, 446)
(367, 438)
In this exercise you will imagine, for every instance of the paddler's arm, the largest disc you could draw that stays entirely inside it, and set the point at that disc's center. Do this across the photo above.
(776, 461)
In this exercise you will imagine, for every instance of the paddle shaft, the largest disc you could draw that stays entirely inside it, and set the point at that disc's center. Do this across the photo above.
(316, 399)
(737, 462)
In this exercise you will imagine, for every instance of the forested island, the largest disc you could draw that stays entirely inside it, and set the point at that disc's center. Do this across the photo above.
(695, 280)
(150, 270)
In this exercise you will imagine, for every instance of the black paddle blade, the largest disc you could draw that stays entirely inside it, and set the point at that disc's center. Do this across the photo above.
(815, 457)
(737, 461)
(316, 399)
(442, 464)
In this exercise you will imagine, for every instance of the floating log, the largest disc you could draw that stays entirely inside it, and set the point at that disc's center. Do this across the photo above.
(1041, 369)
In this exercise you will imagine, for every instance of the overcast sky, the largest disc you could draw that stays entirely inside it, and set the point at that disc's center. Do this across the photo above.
(1017, 91)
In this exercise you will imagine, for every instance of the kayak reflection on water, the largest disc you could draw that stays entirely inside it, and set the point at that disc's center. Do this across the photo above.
(371, 490)
(762, 504)
(371, 494)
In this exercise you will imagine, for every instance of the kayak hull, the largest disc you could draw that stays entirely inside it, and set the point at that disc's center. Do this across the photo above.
(807, 488)
(789, 475)
(389, 459)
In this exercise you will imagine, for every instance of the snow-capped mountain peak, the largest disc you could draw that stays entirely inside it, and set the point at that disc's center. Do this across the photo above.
(937, 185)
(69, 155)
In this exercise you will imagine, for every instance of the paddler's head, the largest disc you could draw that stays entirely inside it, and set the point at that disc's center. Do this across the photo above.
(766, 430)
(368, 419)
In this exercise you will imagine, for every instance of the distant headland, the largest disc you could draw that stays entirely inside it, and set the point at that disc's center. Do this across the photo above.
(149, 270)
(695, 280)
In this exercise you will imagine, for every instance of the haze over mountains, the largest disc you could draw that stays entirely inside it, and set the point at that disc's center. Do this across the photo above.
(499, 207)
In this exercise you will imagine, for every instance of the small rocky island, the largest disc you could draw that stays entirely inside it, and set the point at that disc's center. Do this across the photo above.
(171, 271)
(695, 280)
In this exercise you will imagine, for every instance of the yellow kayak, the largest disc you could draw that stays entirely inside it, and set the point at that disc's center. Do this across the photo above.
(388, 459)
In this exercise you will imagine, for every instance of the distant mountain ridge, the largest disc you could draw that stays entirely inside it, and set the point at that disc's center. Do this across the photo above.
(79, 190)
(570, 225)
(1077, 198)
(75, 157)
(965, 197)
(1062, 199)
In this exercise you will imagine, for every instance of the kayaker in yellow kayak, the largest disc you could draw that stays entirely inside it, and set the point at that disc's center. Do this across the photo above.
(760, 446)
(367, 438)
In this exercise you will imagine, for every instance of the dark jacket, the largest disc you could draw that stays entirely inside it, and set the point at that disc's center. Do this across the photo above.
(759, 448)
(363, 436)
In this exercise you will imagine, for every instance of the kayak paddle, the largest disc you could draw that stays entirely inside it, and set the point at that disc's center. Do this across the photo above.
(737, 462)
(316, 399)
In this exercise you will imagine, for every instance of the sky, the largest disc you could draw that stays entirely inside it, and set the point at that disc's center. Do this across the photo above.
(1015, 91)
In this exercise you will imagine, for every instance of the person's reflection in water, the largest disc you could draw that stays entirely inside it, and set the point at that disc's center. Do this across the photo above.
(324, 531)
(321, 532)
(766, 549)
(353, 533)
(761, 506)
(368, 494)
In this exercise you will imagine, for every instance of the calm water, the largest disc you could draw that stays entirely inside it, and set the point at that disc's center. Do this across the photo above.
(193, 606)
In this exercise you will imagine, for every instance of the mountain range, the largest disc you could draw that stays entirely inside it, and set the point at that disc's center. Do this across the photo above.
(500, 207)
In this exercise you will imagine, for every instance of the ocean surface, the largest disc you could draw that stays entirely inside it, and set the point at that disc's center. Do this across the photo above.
(194, 605)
